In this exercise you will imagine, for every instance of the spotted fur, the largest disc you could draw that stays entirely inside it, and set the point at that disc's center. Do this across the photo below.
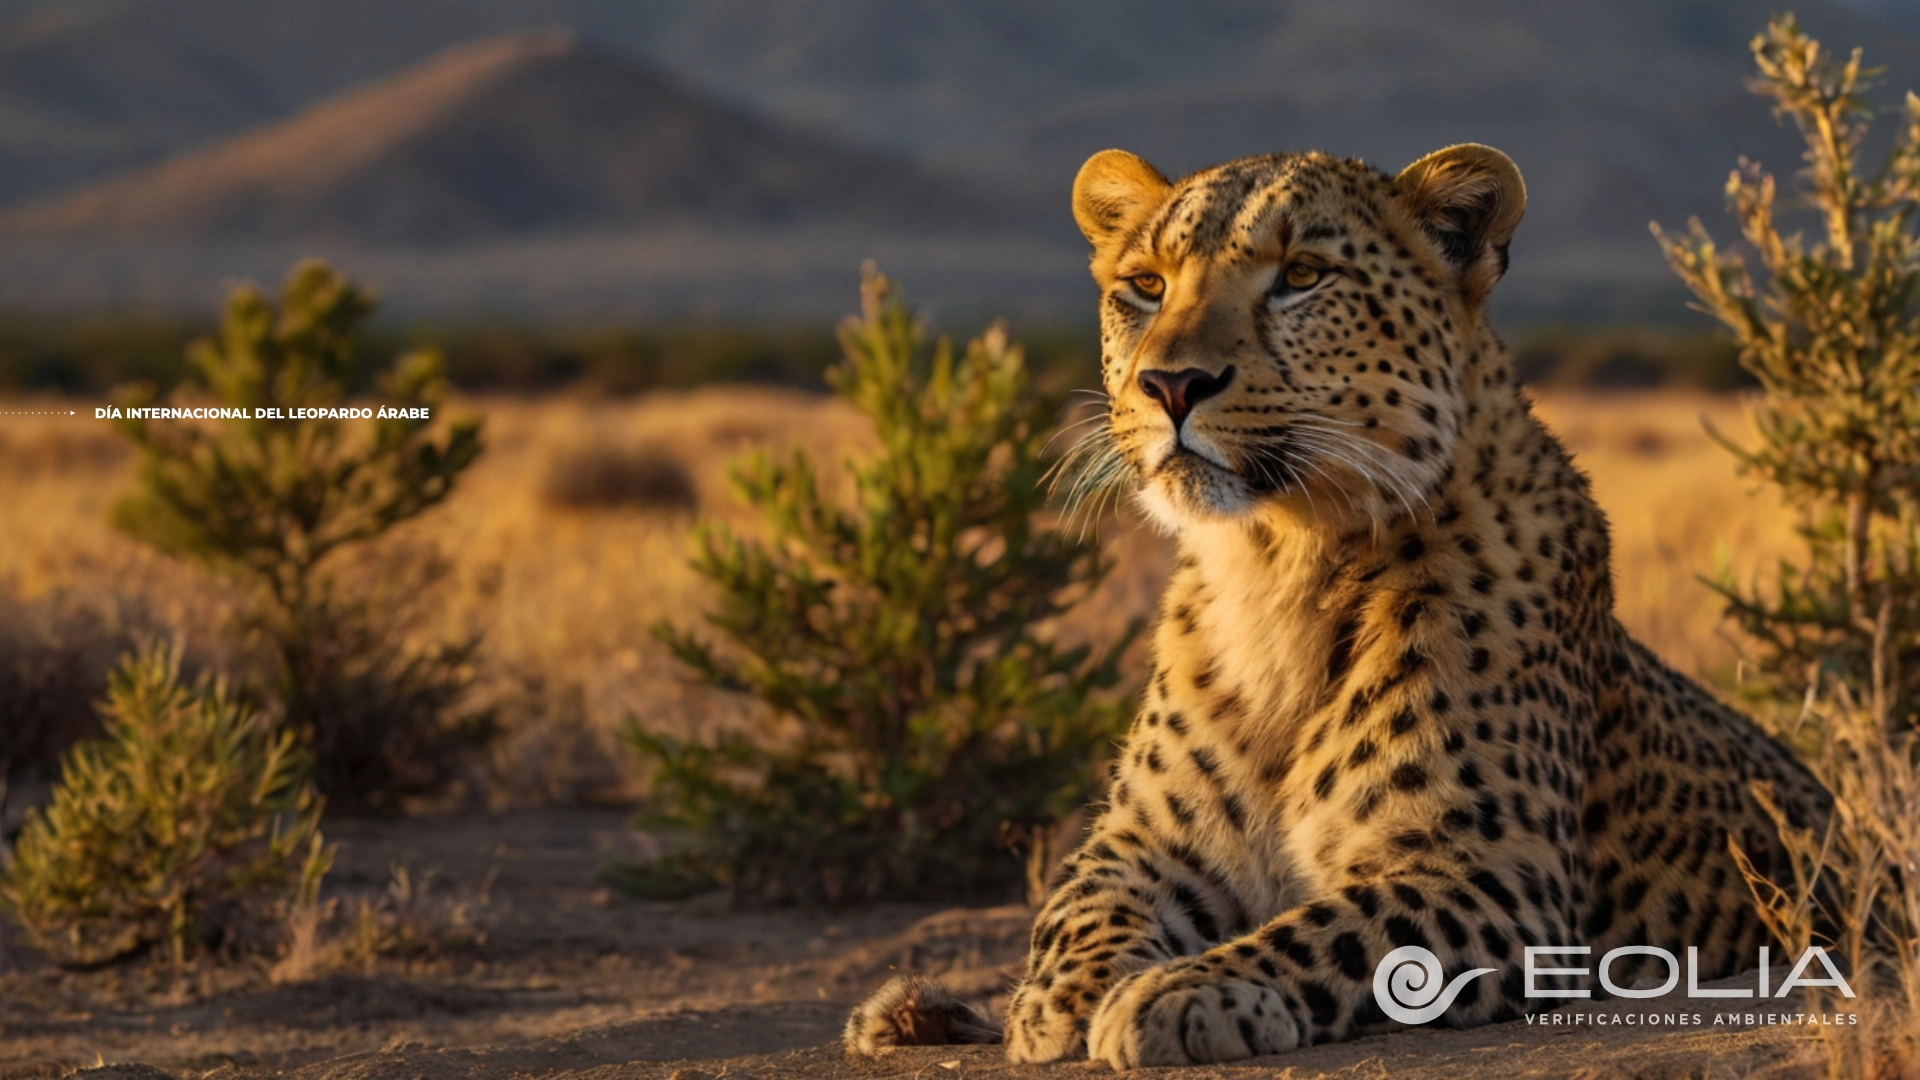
(1390, 703)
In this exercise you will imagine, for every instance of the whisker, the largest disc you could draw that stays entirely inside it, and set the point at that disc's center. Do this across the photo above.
(1084, 421)
(1091, 474)
(1390, 483)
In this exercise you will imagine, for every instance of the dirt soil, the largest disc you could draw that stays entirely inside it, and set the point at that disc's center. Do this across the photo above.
(505, 958)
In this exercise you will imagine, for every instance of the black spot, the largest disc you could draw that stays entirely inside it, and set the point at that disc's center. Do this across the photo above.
(1340, 653)
(1410, 776)
(1189, 902)
(1319, 1003)
(1235, 812)
(1490, 884)
(1351, 956)
(1490, 824)
(1594, 821)
(1402, 932)
(1599, 917)
(1323, 787)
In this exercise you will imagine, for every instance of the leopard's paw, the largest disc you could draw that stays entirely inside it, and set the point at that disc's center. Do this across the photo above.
(1040, 1031)
(1185, 1014)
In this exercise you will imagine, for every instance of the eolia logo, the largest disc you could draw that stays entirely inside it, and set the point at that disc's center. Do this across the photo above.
(1411, 986)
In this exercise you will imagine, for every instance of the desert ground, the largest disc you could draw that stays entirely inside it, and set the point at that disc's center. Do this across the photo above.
(475, 938)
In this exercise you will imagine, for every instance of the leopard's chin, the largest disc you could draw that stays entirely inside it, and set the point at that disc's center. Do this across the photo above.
(1188, 488)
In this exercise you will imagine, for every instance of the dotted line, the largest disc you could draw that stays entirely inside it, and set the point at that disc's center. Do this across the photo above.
(12, 412)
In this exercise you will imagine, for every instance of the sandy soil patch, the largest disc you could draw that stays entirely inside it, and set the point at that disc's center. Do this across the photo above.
(541, 972)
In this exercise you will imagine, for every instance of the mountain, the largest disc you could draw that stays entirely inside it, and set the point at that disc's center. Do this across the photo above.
(1617, 113)
(514, 135)
(963, 85)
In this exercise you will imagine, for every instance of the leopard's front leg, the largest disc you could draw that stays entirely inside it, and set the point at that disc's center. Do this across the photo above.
(1308, 975)
(1120, 906)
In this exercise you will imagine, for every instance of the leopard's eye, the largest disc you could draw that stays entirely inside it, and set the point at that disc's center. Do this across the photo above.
(1150, 286)
(1301, 276)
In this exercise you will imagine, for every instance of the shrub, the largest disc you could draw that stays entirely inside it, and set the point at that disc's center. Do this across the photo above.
(1833, 335)
(274, 502)
(914, 709)
(192, 810)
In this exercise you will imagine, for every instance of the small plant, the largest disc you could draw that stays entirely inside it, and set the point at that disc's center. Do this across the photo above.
(1833, 335)
(192, 810)
(914, 706)
(276, 494)
(414, 920)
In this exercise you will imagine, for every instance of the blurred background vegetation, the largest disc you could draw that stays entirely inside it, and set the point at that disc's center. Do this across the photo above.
(89, 355)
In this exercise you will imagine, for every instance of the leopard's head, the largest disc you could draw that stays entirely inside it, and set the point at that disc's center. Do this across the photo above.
(1290, 332)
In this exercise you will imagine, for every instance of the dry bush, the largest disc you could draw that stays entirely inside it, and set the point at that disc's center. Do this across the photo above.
(1856, 882)
(190, 814)
(414, 921)
(603, 477)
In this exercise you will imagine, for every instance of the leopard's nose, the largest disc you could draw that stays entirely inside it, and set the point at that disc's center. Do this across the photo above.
(1179, 391)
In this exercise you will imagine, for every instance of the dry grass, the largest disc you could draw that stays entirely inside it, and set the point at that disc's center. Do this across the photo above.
(1852, 889)
(567, 588)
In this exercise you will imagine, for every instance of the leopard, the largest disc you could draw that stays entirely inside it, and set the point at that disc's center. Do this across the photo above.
(1389, 705)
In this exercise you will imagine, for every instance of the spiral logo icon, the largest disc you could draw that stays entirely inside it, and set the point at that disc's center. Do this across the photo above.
(1408, 985)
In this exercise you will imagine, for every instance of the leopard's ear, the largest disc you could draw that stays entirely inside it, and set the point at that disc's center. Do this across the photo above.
(1113, 192)
(1469, 199)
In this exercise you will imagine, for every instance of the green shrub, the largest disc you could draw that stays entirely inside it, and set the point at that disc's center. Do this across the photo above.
(191, 811)
(1833, 336)
(915, 709)
(275, 502)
